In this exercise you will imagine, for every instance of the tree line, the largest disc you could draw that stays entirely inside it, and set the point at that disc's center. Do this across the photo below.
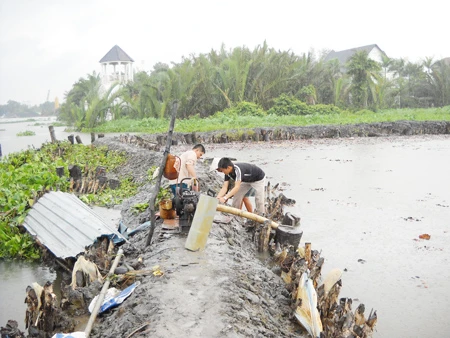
(212, 82)
(15, 109)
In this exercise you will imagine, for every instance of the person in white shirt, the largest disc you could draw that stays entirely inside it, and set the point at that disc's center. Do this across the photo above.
(187, 167)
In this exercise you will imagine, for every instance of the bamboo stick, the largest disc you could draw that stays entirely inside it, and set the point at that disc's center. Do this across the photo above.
(101, 297)
(151, 202)
(246, 214)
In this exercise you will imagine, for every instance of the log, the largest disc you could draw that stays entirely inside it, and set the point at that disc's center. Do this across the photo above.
(75, 172)
(100, 171)
(113, 183)
(92, 137)
(264, 235)
(291, 219)
(246, 214)
(52, 134)
(286, 235)
(60, 171)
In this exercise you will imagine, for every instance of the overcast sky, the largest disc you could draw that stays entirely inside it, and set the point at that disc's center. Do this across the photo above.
(49, 44)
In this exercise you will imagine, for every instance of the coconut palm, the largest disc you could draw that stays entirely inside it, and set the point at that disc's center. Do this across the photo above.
(364, 74)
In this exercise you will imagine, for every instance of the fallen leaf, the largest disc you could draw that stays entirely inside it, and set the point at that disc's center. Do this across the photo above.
(425, 236)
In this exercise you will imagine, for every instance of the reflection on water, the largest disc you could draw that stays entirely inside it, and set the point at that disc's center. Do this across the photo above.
(15, 276)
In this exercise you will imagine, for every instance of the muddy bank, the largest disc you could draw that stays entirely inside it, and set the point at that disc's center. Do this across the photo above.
(224, 291)
(398, 128)
(227, 290)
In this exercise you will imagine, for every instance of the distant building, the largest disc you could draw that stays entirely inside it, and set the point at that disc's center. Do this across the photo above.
(374, 52)
(116, 66)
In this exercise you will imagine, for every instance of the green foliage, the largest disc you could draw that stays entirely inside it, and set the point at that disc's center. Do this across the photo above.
(26, 133)
(224, 79)
(308, 94)
(288, 105)
(245, 109)
(151, 172)
(165, 193)
(27, 175)
(139, 207)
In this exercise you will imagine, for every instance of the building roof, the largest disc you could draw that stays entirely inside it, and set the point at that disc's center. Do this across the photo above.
(116, 54)
(344, 55)
(65, 225)
(445, 61)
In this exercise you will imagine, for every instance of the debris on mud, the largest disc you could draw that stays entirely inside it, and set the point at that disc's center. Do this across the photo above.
(251, 280)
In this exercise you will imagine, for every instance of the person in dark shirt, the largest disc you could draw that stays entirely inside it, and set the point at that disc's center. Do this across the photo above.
(246, 176)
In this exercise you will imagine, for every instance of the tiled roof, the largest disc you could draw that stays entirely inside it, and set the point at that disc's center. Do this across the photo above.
(344, 55)
(116, 54)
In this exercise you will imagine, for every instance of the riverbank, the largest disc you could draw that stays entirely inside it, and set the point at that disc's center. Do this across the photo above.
(397, 128)
(353, 228)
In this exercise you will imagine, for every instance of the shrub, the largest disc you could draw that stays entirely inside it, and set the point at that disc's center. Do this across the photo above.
(288, 105)
(324, 109)
(246, 109)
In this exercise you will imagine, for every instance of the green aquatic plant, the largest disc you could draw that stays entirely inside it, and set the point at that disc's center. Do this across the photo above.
(26, 133)
(25, 176)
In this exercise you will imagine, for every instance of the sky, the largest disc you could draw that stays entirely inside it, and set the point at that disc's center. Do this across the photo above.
(48, 45)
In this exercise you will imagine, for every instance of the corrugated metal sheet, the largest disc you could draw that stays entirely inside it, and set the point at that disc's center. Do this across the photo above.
(64, 224)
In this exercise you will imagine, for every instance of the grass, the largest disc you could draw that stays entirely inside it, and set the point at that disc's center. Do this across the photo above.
(233, 122)
(26, 133)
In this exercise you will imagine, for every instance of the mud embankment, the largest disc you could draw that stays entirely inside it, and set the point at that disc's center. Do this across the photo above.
(398, 128)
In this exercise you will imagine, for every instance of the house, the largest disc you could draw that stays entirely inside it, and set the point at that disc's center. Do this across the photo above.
(374, 52)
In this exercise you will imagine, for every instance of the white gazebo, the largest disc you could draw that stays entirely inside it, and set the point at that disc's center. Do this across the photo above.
(117, 66)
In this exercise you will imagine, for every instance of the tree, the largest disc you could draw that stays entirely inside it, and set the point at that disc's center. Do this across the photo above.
(364, 74)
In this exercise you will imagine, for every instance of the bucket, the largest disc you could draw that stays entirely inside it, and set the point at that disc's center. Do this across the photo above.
(165, 210)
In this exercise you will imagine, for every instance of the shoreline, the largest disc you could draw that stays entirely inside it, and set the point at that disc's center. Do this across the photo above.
(266, 134)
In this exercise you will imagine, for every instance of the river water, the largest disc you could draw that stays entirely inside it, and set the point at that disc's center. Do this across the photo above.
(10, 142)
(364, 202)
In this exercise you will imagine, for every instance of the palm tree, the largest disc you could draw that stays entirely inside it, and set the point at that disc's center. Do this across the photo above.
(364, 73)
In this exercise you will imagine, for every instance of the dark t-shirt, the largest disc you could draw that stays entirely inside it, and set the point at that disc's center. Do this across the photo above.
(246, 172)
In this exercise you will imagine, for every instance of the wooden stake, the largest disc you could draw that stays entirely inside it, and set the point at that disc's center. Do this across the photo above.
(151, 203)
(308, 253)
(52, 134)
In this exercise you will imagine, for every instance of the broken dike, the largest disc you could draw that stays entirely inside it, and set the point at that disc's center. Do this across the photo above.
(250, 276)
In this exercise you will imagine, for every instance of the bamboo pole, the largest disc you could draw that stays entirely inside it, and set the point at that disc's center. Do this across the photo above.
(246, 214)
(151, 203)
(101, 297)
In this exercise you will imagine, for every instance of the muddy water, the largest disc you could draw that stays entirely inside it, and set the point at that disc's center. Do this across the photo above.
(364, 202)
(14, 279)
(10, 142)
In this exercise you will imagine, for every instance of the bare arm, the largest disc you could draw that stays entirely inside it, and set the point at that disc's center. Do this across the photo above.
(191, 170)
(224, 190)
(223, 196)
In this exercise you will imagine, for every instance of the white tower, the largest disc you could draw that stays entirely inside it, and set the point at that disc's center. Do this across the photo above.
(117, 66)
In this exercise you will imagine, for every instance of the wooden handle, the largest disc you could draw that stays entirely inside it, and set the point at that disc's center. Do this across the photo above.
(246, 214)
